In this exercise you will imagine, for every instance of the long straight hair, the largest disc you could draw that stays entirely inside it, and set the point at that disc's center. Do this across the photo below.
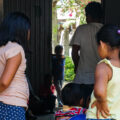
(14, 28)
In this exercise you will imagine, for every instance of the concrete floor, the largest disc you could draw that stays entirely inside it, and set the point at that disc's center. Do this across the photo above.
(46, 117)
(49, 116)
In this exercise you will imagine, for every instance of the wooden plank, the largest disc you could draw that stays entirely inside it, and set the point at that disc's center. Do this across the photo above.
(48, 34)
(1, 10)
(112, 15)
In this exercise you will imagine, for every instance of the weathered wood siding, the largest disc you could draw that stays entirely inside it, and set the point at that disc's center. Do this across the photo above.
(112, 8)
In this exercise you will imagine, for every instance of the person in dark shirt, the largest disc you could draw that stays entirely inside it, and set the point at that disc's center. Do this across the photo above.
(58, 63)
(47, 95)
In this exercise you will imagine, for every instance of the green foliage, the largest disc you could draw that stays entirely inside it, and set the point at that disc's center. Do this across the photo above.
(76, 6)
(69, 69)
(54, 25)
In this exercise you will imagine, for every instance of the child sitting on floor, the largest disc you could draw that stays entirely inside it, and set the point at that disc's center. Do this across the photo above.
(73, 98)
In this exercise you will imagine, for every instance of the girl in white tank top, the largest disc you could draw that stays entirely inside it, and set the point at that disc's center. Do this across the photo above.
(105, 98)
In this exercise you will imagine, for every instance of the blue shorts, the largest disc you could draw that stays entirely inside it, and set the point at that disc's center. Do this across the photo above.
(10, 112)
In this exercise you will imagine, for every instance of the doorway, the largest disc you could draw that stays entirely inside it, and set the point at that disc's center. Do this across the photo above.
(67, 15)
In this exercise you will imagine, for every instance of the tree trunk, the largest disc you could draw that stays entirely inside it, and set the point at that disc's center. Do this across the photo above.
(54, 25)
(66, 42)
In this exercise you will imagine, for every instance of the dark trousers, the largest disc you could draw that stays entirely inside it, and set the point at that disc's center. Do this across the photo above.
(58, 85)
(87, 93)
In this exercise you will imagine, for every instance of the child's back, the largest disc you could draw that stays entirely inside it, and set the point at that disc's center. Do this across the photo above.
(72, 98)
(58, 63)
(106, 96)
(113, 94)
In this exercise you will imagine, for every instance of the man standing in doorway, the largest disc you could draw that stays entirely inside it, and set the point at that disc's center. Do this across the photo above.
(84, 47)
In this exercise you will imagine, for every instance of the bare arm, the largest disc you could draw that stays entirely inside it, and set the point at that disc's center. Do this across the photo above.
(9, 72)
(101, 80)
(75, 55)
(102, 75)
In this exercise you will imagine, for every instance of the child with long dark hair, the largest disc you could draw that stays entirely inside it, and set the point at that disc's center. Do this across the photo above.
(14, 91)
(106, 95)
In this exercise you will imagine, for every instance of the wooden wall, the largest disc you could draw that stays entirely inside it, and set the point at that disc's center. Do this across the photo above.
(112, 8)
(1, 10)
(39, 12)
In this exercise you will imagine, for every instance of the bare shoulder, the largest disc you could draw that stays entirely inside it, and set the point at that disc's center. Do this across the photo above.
(104, 69)
(15, 46)
(103, 66)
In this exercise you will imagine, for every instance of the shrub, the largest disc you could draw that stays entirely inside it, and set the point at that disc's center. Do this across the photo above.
(69, 69)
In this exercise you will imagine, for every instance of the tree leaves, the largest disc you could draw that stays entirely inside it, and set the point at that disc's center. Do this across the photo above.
(75, 6)
(69, 69)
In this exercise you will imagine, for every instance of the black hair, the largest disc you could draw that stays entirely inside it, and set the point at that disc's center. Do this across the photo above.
(71, 94)
(109, 34)
(14, 28)
(58, 49)
(94, 9)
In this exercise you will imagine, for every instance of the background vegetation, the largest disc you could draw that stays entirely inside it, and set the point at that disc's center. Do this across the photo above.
(69, 69)
(70, 7)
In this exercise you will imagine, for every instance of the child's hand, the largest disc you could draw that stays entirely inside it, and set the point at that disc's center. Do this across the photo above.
(102, 108)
